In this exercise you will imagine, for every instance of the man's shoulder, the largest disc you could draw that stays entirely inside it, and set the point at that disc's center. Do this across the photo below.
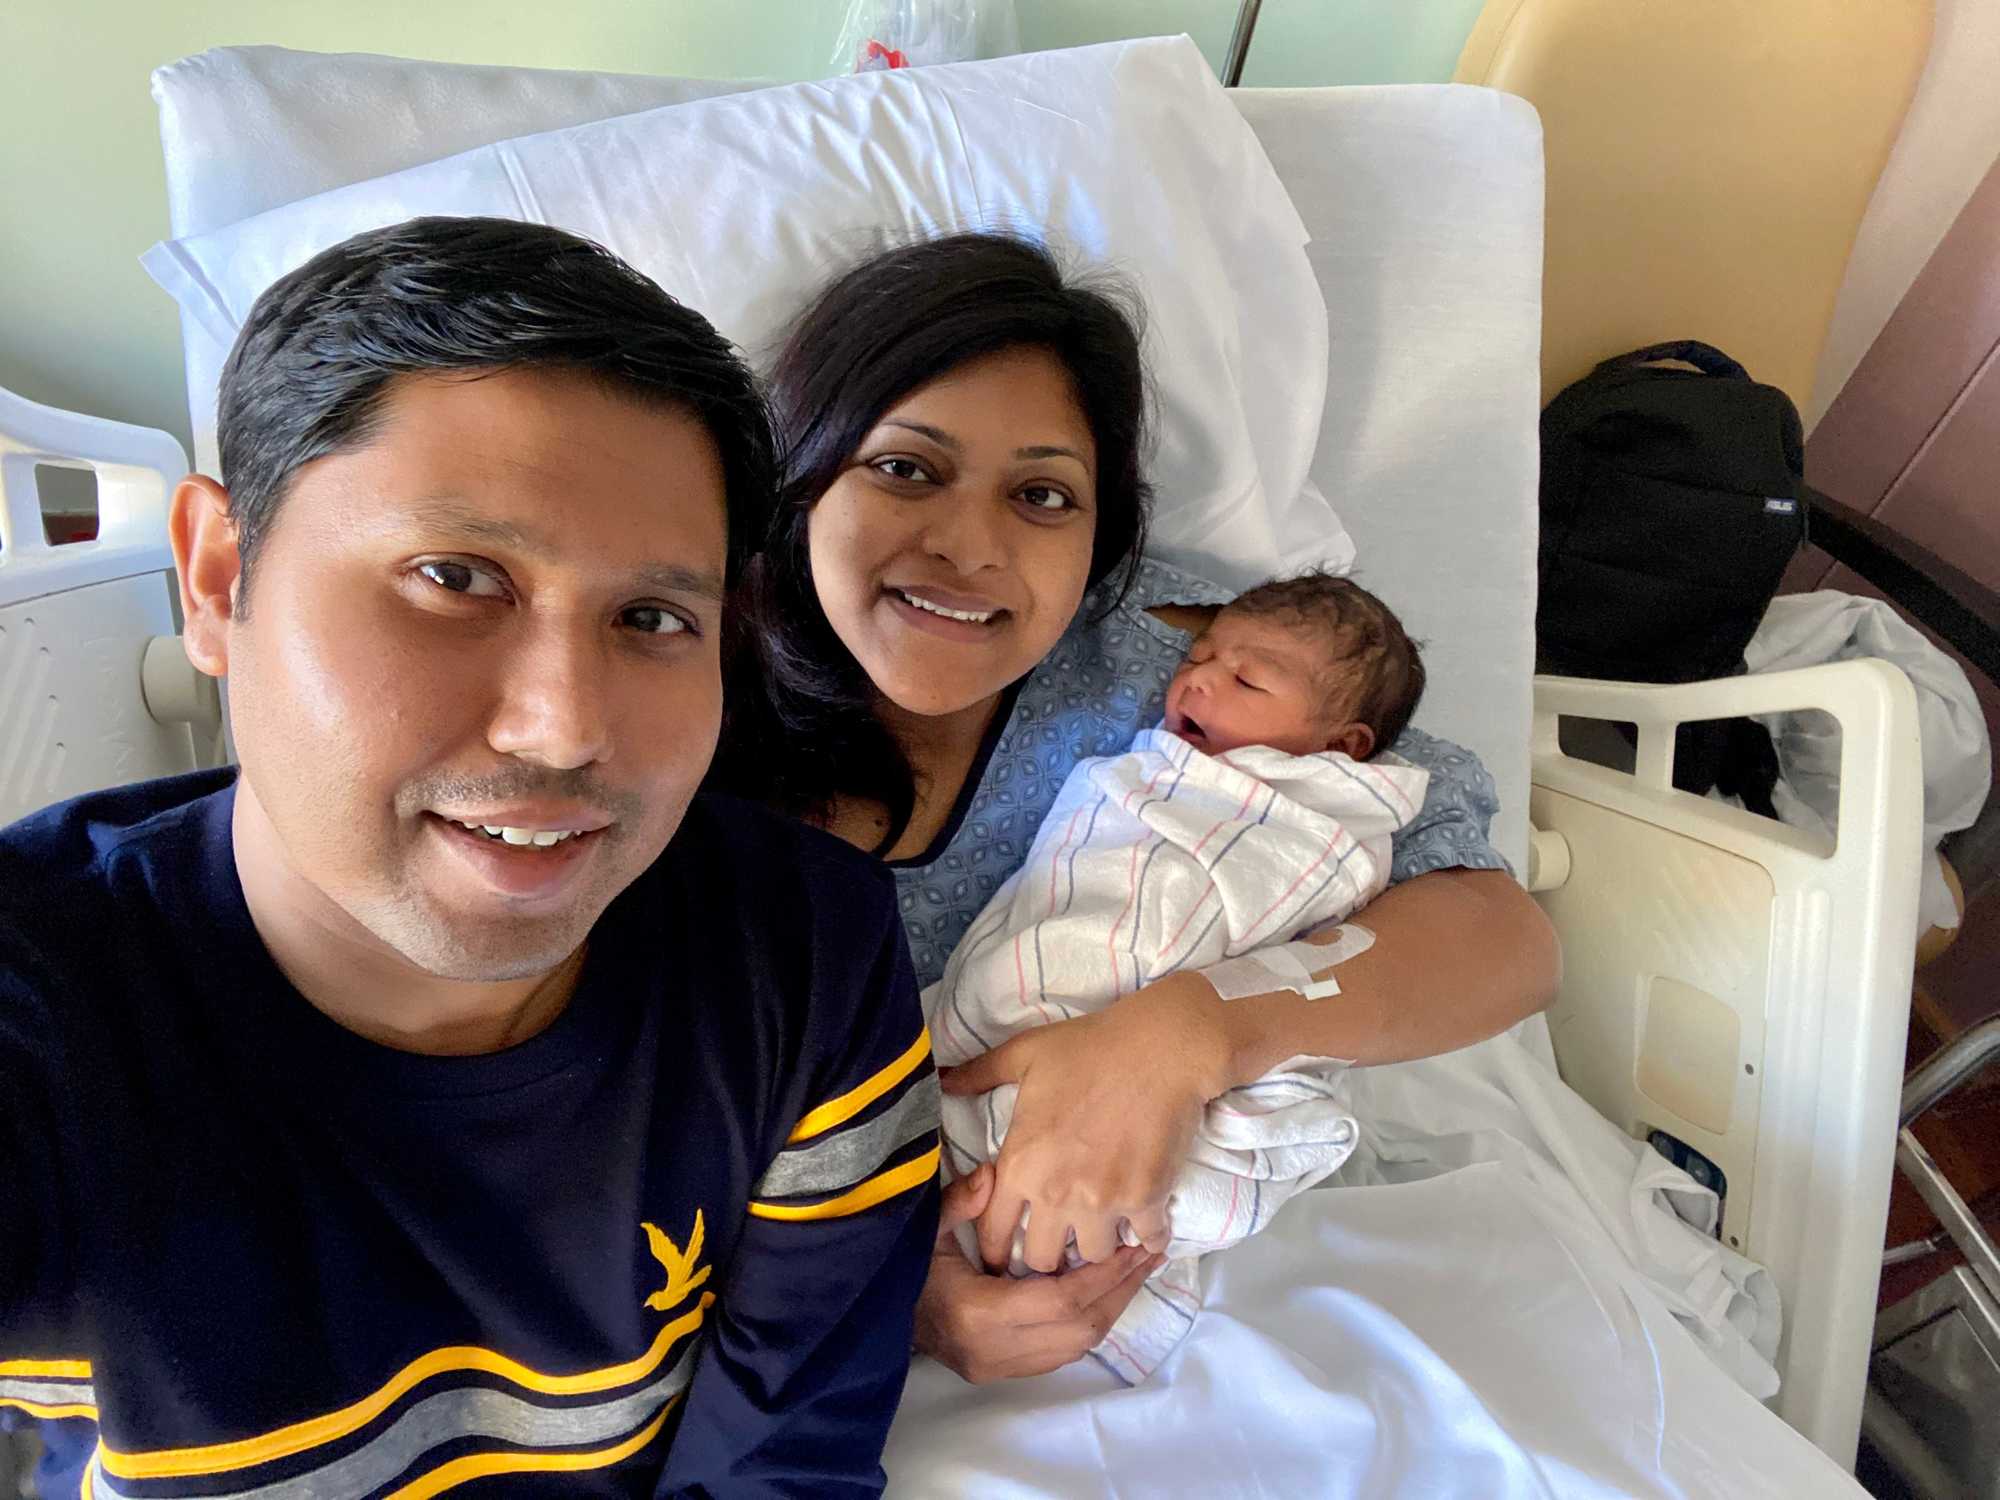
(803, 925)
(60, 865)
(76, 935)
(747, 852)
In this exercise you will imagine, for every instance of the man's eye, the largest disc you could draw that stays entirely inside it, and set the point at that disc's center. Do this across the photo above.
(463, 578)
(650, 619)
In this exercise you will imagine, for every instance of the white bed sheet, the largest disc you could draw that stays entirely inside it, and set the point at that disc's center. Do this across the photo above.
(1456, 1336)
(1495, 1296)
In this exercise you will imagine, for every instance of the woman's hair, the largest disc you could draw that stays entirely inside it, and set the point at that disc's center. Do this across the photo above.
(807, 732)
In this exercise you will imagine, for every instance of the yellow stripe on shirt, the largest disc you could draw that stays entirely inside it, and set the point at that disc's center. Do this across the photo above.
(46, 1369)
(851, 1103)
(176, 1463)
(875, 1190)
(36, 1409)
(485, 1465)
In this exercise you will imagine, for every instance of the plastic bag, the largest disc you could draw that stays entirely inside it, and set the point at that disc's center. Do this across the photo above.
(908, 33)
(1803, 630)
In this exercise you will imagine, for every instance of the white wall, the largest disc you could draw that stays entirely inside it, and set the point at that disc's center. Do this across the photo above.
(1948, 144)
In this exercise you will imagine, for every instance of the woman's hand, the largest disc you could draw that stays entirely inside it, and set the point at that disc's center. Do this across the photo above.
(1107, 1110)
(990, 1328)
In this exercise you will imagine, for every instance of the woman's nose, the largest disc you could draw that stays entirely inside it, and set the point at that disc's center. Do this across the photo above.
(966, 533)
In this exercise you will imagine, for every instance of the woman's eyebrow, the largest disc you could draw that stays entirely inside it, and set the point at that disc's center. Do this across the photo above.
(924, 429)
(952, 445)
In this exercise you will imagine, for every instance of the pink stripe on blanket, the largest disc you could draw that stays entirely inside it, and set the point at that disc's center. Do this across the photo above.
(1162, 962)
(1333, 843)
(1247, 796)
(1376, 775)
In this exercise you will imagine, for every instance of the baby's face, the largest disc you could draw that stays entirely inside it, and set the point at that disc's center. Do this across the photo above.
(1257, 680)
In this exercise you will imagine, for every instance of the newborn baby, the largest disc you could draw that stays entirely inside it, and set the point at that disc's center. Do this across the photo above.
(1260, 808)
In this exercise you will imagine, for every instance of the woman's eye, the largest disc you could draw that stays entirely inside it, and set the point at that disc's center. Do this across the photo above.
(1045, 497)
(907, 469)
(463, 578)
(650, 619)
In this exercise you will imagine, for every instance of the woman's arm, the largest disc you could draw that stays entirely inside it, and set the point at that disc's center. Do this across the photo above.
(1460, 955)
(1109, 1102)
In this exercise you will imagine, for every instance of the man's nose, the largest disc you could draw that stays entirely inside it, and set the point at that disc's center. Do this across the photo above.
(554, 700)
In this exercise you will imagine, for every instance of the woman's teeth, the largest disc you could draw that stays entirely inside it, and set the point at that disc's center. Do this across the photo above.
(949, 614)
(541, 838)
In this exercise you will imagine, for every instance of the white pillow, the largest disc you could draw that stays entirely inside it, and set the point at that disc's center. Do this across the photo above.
(1128, 155)
(245, 129)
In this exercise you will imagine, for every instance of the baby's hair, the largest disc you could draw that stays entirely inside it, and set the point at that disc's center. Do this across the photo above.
(1358, 627)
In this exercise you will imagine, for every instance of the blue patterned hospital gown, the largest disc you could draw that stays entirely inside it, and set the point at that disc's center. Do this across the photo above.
(1104, 682)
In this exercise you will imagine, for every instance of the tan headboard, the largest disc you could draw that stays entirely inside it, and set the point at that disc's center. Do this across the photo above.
(1708, 164)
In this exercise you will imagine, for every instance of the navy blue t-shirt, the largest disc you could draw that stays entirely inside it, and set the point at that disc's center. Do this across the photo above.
(670, 1245)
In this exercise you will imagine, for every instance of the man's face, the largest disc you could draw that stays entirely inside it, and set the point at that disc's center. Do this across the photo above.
(501, 610)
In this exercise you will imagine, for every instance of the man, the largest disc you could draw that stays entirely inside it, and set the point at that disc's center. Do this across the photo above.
(405, 1111)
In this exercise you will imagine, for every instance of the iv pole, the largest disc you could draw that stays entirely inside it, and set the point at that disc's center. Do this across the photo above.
(1239, 42)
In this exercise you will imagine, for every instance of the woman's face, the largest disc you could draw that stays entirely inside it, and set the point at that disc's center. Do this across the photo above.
(953, 550)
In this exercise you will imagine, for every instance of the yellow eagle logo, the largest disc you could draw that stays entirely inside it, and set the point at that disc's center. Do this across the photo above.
(682, 1277)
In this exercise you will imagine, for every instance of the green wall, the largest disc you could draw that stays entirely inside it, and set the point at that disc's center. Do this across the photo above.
(82, 326)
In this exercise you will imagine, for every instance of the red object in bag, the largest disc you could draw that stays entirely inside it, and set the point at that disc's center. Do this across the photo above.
(889, 57)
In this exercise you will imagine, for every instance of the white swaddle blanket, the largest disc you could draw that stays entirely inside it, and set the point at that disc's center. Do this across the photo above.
(1162, 859)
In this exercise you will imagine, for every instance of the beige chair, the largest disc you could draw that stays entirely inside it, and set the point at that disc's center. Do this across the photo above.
(1708, 164)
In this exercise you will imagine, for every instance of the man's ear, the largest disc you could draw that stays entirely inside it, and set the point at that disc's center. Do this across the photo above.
(1356, 741)
(209, 567)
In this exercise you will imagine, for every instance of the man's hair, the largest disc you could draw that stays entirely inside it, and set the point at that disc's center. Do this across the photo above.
(1358, 628)
(310, 370)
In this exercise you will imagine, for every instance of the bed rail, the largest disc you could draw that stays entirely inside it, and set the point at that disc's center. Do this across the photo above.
(1744, 987)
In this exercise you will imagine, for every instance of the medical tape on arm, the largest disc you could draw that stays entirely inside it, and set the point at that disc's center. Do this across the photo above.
(1289, 966)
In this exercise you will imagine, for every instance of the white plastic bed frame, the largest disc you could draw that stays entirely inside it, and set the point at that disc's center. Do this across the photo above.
(1733, 983)
(94, 688)
(1727, 981)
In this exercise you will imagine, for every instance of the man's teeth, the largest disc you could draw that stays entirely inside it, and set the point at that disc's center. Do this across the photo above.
(949, 614)
(541, 838)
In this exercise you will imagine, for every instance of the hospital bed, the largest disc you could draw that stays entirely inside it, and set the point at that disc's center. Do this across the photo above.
(1449, 1320)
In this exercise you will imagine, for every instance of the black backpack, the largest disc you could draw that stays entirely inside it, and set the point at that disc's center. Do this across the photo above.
(1672, 501)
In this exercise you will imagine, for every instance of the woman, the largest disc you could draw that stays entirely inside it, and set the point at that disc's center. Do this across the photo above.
(955, 608)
